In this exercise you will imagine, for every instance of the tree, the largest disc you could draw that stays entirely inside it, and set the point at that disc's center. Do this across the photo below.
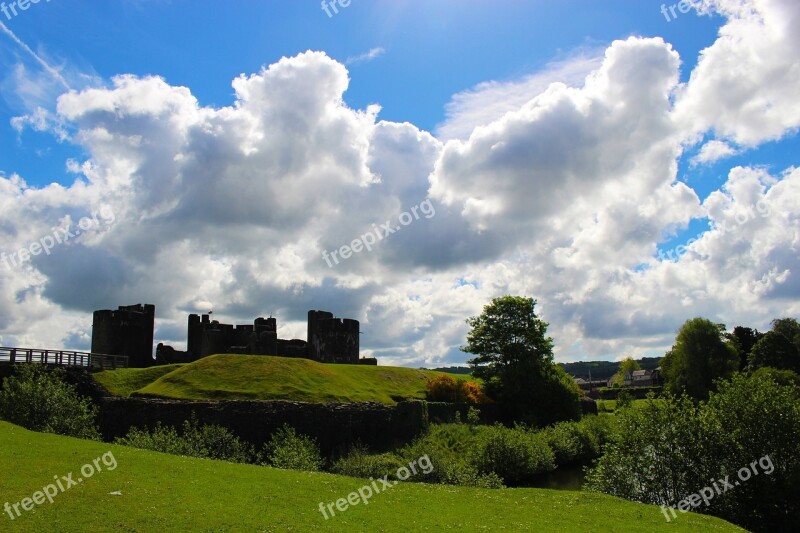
(514, 358)
(627, 366)
(700, 355)
(744, 339)
(778, 348)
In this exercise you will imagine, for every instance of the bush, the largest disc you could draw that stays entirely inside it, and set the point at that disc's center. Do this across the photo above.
(207, 441)
(359, 463)
(673, 448)
(624, 399)
(286, 449)
(444, 388)
(449, 466)
(41, 400)
(515, 455)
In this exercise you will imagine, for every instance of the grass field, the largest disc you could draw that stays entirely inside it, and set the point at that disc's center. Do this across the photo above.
(124, 381)
(250, 377)
(159, 493)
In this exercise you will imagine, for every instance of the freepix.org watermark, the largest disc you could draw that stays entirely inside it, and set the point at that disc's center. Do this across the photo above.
(684, 6)
(60, 235)
(61, 484)
(368, 491)
(10, 10)
(328, 5)
(378, 233)
(720, 486)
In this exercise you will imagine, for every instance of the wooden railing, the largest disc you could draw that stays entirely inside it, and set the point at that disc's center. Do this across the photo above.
(62, 358)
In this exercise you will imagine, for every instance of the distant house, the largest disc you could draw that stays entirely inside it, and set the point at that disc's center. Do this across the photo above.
(643, 378)
(590, 387)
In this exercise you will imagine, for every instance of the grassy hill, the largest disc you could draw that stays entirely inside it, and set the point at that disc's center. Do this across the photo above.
(252, 377)
(159, 492)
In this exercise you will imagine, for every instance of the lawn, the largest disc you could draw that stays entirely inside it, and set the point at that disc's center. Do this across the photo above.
(252, 377)
(124, 381)
(149, 491)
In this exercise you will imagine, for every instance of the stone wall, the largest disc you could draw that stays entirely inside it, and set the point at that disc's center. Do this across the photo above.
(335, 426)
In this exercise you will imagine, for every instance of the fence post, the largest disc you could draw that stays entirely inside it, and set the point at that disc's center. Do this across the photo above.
(13, 355)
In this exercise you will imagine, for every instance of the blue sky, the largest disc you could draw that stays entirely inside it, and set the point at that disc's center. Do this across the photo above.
(448, 77)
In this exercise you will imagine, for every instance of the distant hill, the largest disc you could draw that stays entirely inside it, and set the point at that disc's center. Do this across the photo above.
(605, 369)
(256, 377)
(453, 369)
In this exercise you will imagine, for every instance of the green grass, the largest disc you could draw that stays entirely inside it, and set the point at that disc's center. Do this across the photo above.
(124, 381)
(254, 377)
(162, 493)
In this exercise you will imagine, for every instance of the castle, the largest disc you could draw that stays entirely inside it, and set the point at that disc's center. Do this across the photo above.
(129, 331)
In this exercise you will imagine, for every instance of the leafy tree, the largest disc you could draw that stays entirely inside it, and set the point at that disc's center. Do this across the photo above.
(674, 447)
(514, 357)
(744, 339)
(627, 366)
(778, 348)
(41, 400)
(700, 355)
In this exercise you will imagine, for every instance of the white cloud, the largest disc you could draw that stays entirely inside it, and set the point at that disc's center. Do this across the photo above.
(713, 151)
(488, 101)
(366, 56)
(563, 192)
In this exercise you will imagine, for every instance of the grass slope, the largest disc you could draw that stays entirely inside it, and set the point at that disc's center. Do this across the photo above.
(124, 381)
(161, 492)
(249, 377)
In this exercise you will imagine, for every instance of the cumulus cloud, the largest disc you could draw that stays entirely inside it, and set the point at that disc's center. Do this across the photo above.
(563, 191)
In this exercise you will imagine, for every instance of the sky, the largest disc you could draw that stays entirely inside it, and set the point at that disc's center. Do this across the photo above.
(630, 164)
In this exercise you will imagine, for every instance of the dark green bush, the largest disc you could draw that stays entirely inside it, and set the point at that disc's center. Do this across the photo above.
(41, 400)
(360, 463)
(207, 441)
(286, 449)
(513, 454)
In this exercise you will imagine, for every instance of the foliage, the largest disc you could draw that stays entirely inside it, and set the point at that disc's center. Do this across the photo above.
(515, 455)
(473, 416)
(360, 463)
(700, 355)
(627, 366)
(778, 348)
(209, 441)
(514, 358)
(286, 449)
(744, 339)
(444, 388)
(673, 448)
(41, 400)
(624, 399)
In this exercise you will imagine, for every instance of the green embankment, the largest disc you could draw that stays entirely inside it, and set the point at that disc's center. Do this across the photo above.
(154, 492)
(252, 377)
(124, 381)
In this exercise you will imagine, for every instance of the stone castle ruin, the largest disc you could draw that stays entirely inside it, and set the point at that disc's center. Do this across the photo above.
(129, 331)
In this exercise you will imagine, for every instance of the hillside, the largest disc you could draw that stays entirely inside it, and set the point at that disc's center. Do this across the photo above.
(250, 377)
(149, 491)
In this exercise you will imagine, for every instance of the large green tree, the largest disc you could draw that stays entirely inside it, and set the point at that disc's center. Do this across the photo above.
(514, 358)
(628, 365)
(779, 348)
(701, 354)
(744, 339)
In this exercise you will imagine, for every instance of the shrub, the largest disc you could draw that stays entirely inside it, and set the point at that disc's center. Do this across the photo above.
(444, 388)
(286, 449)
(208, 441)
(41, 400)
(473, 416)
(359, 463)
(513, 454)
(673, 448)
(624, 399)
